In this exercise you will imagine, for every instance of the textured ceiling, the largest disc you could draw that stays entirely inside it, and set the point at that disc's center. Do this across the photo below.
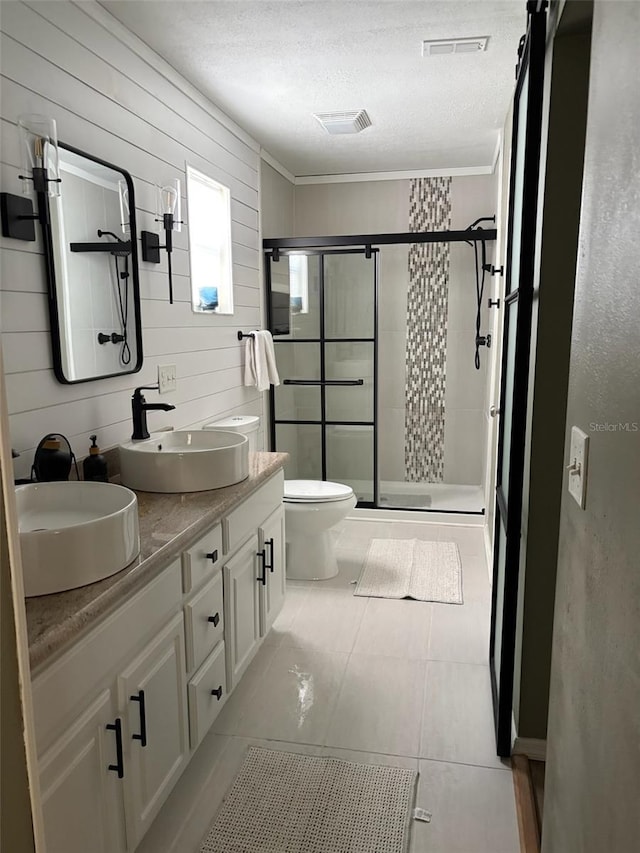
(271, 65)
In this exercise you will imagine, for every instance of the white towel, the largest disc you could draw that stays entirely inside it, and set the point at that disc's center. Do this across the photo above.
(260, 361)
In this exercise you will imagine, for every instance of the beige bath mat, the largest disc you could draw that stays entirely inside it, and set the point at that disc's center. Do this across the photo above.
(282, 802)
(411, 568)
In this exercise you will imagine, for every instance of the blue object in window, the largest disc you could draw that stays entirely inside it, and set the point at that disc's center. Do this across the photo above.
(208, 297)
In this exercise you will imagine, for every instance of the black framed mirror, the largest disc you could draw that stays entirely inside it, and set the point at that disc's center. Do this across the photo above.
(92, 269)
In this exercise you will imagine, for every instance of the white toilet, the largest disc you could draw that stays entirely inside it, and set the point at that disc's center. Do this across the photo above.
(311, 509)
(248, 425)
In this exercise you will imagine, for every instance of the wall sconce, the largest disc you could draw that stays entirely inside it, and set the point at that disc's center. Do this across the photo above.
(40, 176)
(168, 217)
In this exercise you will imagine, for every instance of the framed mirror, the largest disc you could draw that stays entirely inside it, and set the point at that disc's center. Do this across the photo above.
(92, 268)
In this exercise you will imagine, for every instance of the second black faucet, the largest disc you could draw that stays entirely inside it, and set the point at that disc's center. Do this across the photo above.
(139, 409)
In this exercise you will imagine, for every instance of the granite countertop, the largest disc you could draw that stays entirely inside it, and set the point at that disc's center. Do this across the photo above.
(168, 524)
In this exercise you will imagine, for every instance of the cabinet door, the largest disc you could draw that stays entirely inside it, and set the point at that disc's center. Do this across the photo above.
(152, 696)
(242, 574)
(82, 800)
(272, 540)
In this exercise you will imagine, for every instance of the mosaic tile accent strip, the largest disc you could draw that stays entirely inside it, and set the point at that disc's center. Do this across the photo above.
(427, 314)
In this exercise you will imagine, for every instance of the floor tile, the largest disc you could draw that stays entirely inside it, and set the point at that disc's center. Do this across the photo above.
(355, 533)
(413, 530)
(460, 632)
(470, 540)
(379, 707)
(227, 720)
(295, 698)
(328, 620)
(397, 629)
(457, 720)
(475, 579)
(359, 757)
(294, 599)
(472, 808)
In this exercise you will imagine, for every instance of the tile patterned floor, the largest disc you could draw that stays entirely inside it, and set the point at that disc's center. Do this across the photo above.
(404, 683)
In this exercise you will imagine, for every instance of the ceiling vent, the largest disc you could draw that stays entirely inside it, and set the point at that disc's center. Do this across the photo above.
(441, 47)
(348, 121)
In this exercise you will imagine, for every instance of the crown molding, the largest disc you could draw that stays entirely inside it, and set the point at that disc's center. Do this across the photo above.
(393, 176)
(277, 165)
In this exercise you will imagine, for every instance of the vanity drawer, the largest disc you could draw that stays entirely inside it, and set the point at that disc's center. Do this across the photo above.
(244, 521)
(204, 621)
(207, 692)
(199, 560)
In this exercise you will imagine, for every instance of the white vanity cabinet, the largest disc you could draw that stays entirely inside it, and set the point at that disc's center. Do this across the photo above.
(102, 784)
(82, 800)
(272, 592)
(242, 573)
(151, 692)
(119, 715)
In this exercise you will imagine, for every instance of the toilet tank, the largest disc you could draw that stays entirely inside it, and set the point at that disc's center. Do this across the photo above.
(248, 425)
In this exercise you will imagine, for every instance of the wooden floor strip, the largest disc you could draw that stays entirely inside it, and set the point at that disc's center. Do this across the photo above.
(525, 805)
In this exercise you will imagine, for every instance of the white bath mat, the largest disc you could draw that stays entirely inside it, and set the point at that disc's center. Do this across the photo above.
(282, 802)
(411, 568)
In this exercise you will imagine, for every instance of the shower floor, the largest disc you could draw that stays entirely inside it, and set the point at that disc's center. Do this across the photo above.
(444, 497)
(440, 497)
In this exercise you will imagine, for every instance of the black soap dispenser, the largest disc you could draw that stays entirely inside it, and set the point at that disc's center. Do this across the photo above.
(94, 466)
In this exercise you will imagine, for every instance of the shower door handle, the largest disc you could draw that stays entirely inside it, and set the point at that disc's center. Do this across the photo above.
(323, 381)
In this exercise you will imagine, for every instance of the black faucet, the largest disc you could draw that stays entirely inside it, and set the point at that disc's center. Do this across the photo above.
(139, 409)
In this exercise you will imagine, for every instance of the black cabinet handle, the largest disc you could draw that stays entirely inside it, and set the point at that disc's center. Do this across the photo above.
(217, 693)
(262, 556)
(215, 619)
(213, 556)
(117, 728)
(142, 737)
(269, 542)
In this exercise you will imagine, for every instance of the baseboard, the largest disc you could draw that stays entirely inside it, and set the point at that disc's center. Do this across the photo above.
(528, 827)
(533, 748)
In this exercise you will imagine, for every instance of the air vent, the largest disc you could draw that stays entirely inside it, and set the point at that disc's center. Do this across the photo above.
(441, 47)
(348, 121)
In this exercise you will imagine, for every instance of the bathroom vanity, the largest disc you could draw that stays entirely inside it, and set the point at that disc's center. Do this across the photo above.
(130, 673)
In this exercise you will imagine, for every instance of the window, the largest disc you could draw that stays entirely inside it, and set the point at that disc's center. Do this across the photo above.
(209, 222)
(299, 283)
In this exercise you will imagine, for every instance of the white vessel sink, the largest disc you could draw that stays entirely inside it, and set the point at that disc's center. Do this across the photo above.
(185, 461)
(73, 534)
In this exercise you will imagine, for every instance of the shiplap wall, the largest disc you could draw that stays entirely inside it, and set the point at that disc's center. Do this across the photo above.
(116, 100)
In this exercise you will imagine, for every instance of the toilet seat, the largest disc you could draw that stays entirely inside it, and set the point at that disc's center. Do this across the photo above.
(315, 491)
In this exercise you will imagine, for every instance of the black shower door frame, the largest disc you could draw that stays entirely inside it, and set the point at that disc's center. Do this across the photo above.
(274, 257)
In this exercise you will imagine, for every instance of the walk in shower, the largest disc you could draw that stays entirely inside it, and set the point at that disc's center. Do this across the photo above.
(376, 340)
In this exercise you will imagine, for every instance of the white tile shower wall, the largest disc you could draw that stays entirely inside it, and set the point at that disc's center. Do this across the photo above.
(465, 435)
(383, 206)
(125, 105)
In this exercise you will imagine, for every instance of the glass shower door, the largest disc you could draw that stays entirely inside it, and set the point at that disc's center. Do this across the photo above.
(323, 413)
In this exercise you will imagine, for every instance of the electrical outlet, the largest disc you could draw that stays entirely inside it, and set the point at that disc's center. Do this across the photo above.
(577, 466)
(166, 378)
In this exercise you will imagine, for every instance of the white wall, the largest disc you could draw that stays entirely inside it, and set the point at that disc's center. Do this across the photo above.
(125, 105)
(383, 206)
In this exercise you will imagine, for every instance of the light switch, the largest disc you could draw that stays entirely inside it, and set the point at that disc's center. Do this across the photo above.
(166, 378)
(577, 467)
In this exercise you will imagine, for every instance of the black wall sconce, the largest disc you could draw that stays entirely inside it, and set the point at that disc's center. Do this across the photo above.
(40, 176)
(168, 205)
